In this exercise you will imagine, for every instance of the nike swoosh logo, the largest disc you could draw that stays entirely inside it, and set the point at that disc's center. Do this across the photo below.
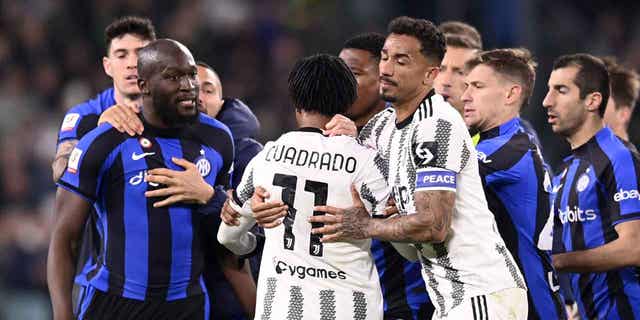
(557, 188)
(135, 156)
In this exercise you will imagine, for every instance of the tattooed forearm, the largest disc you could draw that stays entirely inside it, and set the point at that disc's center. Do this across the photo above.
(62, 157)
(430, 223)
(355, 223)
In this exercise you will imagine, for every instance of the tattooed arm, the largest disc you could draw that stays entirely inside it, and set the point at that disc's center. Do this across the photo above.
(62, 157)
(430, 223)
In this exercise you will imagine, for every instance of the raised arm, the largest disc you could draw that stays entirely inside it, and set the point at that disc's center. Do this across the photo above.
(70, 217)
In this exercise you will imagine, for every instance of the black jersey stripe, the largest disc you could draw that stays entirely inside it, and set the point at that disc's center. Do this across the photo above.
(115, 248)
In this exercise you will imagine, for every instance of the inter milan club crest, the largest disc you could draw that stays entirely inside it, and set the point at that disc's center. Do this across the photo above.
(203, 165)
(144, 142)
(583, 182)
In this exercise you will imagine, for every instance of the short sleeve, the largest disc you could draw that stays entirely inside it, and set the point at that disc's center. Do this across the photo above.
(440, 150)
(246, 187)
(82, 118)
(620, 181)
(371, 183)
(88, 160)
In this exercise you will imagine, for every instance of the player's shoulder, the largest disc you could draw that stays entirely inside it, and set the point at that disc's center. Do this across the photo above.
(103, 135)
(615, 149)
(95, 105)
(214, 128)
(438, 109)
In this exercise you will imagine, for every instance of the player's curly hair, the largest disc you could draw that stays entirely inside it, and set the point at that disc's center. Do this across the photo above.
(371, 42)
(514, 64)
(430, 37)
(139, 26)
(322, 83)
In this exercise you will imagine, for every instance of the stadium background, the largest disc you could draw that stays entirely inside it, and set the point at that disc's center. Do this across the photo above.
(50, 59)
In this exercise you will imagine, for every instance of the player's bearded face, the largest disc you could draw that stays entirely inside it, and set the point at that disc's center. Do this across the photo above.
(566, 111)
(176, 98)
(402, 68)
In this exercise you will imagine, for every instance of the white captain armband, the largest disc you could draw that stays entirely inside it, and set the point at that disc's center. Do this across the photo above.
(435, 179)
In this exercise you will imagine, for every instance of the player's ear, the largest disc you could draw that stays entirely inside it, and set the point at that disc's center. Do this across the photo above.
(106, 64)
(144, 88)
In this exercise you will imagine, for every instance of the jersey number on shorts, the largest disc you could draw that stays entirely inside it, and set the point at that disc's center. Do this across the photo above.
(319, 190)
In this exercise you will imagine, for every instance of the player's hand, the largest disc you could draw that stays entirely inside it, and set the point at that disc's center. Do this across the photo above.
(572, 311)
(227, 214)
(123, 118)
(391, 208)
(181, 186)
(340, 125)
(343, 224)
(267, 214)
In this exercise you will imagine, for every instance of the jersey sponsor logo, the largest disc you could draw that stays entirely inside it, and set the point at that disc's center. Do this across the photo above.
(70, 121)
(482, 157)
(576, 214)
(625, 195)
(424, 153)
(204, 166)
(135, 156)
(302, 272)
(74, 160)
(583, 182)
(139, 178)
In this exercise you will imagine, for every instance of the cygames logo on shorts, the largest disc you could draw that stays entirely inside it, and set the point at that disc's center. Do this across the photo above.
(303, 271)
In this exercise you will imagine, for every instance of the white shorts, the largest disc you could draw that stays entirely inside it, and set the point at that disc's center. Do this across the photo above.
(508, 304)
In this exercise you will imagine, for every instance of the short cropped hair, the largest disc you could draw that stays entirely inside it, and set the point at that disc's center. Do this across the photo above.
(430, 38)
(322, 83)
(371, 42)
(462, 29)
(515, 64)
(460, 41)
(592, 75)
(139, 26)
(625, 83)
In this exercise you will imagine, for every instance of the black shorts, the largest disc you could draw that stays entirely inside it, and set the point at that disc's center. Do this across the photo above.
(96, 304)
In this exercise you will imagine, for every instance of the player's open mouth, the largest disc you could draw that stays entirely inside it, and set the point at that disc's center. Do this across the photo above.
(551, 118)
(187, 102)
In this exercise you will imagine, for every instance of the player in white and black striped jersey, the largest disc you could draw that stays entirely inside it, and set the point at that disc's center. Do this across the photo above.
(300, 277)
(431, 165)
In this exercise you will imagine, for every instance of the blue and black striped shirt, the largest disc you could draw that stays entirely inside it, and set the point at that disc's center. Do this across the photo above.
(517, 184)
(146, 252)
(597, 188)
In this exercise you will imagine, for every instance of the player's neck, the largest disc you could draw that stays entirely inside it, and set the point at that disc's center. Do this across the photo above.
(311, 120)
(621, 131)
(585, 132)
(498, 120)
(362, 120)
(406, 108)
(127, 100)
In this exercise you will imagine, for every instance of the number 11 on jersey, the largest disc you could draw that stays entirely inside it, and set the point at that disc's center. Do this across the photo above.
(319, 190)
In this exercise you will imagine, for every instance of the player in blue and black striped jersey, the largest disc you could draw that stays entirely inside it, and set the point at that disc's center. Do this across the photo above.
(595, 195)
(514, 175)
(150, 260)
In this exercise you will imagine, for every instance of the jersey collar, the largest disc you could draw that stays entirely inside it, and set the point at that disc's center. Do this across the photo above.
(502, 129)
(309, 129)
(425, 106)
(602, 135)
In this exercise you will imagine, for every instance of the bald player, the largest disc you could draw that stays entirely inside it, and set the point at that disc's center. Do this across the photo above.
(151, 260)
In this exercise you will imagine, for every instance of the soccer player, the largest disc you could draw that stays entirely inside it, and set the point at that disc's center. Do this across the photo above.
(124, 37)
(514, 175)
(403, 289)
(150, 260)
(462, 29)
(595, 199)
(428, 158)
(230, 286)
(362, 55)
(450, 80)
(300, 277)
(625, 84)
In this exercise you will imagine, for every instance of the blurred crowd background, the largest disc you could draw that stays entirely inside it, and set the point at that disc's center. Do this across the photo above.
(51, 59)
